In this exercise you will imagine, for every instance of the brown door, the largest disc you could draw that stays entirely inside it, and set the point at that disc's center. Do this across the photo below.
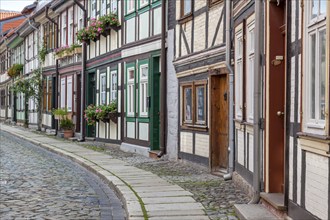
(276, 100)
(219, 122)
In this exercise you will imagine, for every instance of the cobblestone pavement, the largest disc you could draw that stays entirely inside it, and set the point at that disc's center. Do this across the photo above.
(37, 184)
(217, 195)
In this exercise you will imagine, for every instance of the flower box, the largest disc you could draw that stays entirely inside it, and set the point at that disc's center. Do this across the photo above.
(113, 116)
(115, 27)
(78, 50)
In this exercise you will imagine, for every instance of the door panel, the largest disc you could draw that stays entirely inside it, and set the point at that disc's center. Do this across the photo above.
(219, 122)
(155, 105)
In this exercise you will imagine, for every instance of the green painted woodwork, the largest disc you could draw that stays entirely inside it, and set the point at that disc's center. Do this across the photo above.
(91, 99)
(155, 103)
(140, 63)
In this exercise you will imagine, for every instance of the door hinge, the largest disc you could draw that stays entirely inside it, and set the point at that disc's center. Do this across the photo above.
(262, 123)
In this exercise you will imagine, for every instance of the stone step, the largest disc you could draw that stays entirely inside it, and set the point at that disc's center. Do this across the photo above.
(253, 212)
(274, 202)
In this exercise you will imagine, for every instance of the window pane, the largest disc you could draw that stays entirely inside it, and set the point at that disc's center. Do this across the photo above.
(323, 6)
(312, 79)
(200, 92)
(188, 104)
(322, 73)
(187, 7)
(315, 7)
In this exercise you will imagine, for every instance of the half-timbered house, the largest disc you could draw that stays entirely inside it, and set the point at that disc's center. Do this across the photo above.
(199, 61)
(281, 105)
(104, 70)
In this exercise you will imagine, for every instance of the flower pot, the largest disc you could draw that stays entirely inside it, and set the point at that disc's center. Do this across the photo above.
(68, 133)
(115, 27)
(78, 50)
(96, 39)
(106, 31)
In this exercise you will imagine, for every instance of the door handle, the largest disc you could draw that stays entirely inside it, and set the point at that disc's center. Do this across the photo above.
(279, 113)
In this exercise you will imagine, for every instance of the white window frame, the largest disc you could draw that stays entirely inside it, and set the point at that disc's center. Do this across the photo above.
(103, 10)
(93, 9)
(314, 26)
(143, 91)
(64, 29)
(71, 26)
(250, 71)
(113, 85)
(239, 75)
(130, 93)
(143, 3)
(103, 88)
(130, 6)
(63, 92)
(69, 94)
(114, 6)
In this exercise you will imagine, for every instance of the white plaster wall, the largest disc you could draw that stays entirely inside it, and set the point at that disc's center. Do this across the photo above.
(103, 43)
(214, 16)
(172, 101)
(186, 142)
(298, 175)
(47, 120)
(113, 130)
(317, 185)
(2, 113)
(251, 155)
(202, 145)
(292, 112)
(102, 130)
(92, 49)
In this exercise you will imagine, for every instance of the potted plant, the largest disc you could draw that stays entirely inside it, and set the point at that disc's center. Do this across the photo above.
(109, 21)
(15, 70)
(107, 112)
(76, 48)
(67, 126)
(90, 115)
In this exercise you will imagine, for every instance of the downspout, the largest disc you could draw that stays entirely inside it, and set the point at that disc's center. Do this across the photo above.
(231, 146)
(257, 116)
(163, 84)
(56, 72)
(83, 76)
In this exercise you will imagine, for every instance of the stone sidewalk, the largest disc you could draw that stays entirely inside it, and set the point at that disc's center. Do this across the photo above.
(144, 194)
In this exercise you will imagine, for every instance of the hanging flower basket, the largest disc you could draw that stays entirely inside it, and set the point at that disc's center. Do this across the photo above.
(15, 70)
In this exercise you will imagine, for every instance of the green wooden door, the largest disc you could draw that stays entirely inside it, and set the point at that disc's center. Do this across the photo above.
(155, 104)
(91, 99)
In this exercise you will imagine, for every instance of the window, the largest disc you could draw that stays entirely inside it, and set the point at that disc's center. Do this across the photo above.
(113, 6)
(103, 89)
(130, 91)
(157, 14)
(250, 72)
(130, 4)
(143, 90)
(64, 29)
(194, 103)
(130, 30)
(213, 2)
(93, 9)
(143, 3)
(144, 25)
(3, 98)
(103, 7)
(69, 93)
(113, 86)
(186, 7)
(239, 76)
(316, 65)
(63, 92)
(70, 30)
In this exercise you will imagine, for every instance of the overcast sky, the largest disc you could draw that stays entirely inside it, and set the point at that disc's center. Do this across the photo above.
(14, 5)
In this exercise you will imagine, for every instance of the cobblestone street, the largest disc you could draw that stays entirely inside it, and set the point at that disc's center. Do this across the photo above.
(37, 184)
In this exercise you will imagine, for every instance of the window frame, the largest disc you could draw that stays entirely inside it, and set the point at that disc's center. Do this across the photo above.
(211, 3)
(194, 122)
(113, 89)
(250, 61)
(316, 25)
(239, 73)
(130, 91)
(69, 93)
(182, 8)
(103, 76)
(143, 82)
(127, 6)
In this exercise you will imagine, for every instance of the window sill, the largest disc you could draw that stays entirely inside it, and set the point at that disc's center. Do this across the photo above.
(185, 18)
(211, 4)
(194, 127)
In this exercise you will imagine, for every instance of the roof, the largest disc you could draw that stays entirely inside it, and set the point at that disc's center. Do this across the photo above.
(12, 24)
(6, 14)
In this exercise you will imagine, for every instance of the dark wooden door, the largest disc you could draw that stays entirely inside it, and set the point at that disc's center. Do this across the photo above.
(154, 103)
(78, 103)
(276, 102)
(219, 122)
(91, 99)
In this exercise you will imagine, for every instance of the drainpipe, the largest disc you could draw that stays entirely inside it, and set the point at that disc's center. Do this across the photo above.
(257, 116)
(163, 84)
(54, 121)
(231, 146)
(83, 77)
